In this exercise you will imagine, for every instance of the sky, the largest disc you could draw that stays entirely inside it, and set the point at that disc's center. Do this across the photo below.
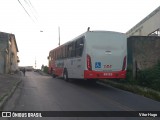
(35, 22)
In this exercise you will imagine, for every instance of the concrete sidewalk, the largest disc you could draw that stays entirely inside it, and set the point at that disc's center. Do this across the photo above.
(8, 84)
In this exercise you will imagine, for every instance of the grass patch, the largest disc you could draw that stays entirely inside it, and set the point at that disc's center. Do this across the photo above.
(150, 93)
(146, 83)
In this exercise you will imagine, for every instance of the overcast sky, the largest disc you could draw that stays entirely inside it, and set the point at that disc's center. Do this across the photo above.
(73, 17)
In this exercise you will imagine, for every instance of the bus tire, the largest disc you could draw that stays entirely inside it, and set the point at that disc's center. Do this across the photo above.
(65, 75)
(53, 75)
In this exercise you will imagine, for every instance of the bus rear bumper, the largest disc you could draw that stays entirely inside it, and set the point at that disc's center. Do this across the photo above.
(102, 75)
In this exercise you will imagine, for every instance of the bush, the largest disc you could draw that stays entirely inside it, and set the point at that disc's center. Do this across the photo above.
(150, 77)
(129, 76)
(45, 69)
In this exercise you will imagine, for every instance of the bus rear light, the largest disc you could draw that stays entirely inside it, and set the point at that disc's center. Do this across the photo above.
(89, 64)
(124, 63)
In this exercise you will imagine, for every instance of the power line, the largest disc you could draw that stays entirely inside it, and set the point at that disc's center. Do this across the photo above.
(27, 11)
(33, 10)
(59, 36)
(32, 6)
(30, 11)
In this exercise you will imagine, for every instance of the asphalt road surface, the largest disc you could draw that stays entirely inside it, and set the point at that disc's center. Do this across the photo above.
(44, 93)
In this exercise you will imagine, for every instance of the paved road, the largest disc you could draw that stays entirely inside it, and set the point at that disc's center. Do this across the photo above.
(43, 93)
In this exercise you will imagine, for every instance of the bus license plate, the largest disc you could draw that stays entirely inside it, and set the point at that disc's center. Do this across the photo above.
(107, 74)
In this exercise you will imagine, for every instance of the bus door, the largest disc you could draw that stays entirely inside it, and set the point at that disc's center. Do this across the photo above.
(79, 59)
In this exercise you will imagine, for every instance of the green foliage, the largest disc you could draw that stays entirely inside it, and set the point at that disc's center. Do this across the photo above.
(129, 77)
(146, 84)
(146, 78)
(45, 69)
(135, 89)
(150, 77)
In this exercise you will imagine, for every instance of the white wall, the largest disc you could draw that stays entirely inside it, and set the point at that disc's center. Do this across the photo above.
(148, 25)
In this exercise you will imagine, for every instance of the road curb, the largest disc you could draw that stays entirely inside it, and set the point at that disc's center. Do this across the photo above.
(9, 94)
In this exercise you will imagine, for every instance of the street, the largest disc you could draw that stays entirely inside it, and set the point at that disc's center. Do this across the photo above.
(44, 93)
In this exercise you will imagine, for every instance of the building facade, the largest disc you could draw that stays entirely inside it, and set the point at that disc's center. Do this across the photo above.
(149, 26)
(8, 53)
(143, 43)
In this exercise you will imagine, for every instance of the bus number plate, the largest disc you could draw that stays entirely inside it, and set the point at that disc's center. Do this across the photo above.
(107, 74)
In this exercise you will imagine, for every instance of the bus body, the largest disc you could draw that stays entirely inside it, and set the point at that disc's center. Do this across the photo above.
(92, 55)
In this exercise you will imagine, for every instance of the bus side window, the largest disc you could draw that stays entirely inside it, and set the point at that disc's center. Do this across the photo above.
(79, 47)
(71, 49)
(66, 51)
(63, 52)
(55, 54)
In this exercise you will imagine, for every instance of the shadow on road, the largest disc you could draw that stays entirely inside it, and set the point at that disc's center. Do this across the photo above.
(90, 84)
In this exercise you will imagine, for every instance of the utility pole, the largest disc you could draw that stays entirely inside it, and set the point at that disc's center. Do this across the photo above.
(59, 36)
(35, 63)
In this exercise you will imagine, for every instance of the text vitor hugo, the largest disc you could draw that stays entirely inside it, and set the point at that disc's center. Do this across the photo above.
(147, 114)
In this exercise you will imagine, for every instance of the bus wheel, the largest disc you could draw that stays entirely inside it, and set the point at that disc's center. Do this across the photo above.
(65, 75)
(53, 75)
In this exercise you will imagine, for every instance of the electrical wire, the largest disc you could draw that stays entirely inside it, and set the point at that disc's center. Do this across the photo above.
(27, 11)
(31, 12)
(32, 8)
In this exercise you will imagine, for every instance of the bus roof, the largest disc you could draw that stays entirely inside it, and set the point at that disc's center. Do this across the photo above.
(83, 34)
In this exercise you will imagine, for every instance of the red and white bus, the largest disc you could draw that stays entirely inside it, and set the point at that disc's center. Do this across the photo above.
(92, 55)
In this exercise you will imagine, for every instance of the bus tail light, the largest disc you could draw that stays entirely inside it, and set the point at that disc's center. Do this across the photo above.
(89, 64)
(124, 63)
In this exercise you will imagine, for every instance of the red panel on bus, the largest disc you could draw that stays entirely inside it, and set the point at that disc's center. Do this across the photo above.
(102, 75)
(59, 71)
